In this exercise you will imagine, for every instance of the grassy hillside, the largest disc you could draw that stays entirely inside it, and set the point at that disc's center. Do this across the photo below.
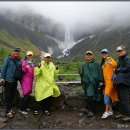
(14, 35)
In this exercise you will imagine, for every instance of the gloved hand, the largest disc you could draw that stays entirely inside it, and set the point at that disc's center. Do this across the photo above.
(57, 67)
(39, 65)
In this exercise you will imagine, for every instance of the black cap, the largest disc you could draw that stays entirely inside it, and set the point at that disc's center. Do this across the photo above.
(17, 49)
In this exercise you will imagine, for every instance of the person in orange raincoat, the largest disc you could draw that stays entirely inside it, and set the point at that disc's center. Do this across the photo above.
(110, 93)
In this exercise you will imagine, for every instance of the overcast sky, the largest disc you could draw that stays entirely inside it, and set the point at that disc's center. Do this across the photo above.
(74, 12)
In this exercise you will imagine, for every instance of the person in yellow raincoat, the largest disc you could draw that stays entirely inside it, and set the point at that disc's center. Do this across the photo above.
(110, 93)
(45, 87)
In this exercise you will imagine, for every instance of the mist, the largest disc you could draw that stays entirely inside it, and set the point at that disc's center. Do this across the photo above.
(71, 13)
(81, 17)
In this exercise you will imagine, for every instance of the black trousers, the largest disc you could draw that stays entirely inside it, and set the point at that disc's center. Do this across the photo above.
(24, 102)
(123, 94)
(10, 90)
(90, 104)
(44, 104)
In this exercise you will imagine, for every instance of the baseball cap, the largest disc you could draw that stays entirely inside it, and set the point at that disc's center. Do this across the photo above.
(47, 55)
(29, 53)
(105, 51)
(120, 48)
(89, 52)
(17, 49)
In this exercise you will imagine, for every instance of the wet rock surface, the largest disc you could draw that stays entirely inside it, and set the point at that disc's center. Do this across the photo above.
(71, 115)
(61, 119)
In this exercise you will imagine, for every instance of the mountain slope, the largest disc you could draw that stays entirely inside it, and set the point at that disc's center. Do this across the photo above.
(106, 39)
(14, 35)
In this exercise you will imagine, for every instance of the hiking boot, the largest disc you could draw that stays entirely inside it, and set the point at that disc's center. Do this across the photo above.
(23, 112)
(90, 114)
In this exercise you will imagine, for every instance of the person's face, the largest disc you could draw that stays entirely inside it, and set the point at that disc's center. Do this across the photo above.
(88, 57)
(121, 53)
(47, 59)
(104, 55)
(30, 57)
(16, 53)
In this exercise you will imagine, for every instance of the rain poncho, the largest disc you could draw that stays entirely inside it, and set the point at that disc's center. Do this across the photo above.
(45, 83)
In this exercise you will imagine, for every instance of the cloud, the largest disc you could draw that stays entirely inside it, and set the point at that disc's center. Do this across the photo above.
(71, 13)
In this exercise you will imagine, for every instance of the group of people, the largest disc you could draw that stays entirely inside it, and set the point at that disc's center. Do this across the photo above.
(14, 69)
(109, 78)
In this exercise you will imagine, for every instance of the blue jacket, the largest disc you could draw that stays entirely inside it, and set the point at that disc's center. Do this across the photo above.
(123, 71)
(8, 68)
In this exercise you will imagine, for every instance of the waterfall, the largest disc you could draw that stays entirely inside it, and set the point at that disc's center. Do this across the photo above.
(68, 42)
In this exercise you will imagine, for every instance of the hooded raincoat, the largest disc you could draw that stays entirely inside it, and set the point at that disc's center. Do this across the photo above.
(108, 71)
(45, 84)
(27, 78)
(90, 77)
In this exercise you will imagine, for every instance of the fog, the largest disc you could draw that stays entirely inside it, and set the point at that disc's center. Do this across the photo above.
(72, 13)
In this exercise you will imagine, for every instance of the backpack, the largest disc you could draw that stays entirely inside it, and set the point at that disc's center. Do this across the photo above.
(18, 72)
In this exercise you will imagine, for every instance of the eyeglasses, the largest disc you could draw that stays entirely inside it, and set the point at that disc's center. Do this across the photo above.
(30, 55)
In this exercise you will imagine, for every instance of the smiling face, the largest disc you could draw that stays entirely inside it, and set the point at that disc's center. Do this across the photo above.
(16, 54)
(30, 57)
(47, 59)
(121, 53)
(104, 55)
(88, 57)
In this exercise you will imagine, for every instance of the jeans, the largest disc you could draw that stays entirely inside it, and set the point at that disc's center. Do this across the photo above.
(10, 89)
(107, 100)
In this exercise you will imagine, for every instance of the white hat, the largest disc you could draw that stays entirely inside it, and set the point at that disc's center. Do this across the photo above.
(120, 48)
(47, 55)
(29, 53)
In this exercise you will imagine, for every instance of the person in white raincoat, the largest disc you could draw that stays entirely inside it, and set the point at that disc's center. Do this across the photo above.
(45, 87)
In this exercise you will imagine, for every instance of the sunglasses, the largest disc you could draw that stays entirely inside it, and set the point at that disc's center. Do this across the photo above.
(29, 55)
(120, 51)
(48, 57)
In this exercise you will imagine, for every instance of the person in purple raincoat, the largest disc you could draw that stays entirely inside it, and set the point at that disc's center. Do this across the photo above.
(26, 81)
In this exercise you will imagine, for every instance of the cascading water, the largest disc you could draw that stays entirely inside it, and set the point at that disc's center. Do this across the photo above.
(68, 42)
(68, 38)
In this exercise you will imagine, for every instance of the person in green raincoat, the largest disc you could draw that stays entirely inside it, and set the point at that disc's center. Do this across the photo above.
(45, 87)
(91, 78)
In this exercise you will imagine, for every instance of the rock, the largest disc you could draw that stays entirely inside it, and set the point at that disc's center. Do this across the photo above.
(75, 101)
(68, 124)
(88, 121)
(102, 125)
(83, 110)
(3, 114)
(2, 119)
(81, 114)
(3, 125)
(43, 125)
(58, 121)
(81, 121)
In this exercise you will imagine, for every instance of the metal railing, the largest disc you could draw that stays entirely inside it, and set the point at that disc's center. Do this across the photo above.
(68, 82)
